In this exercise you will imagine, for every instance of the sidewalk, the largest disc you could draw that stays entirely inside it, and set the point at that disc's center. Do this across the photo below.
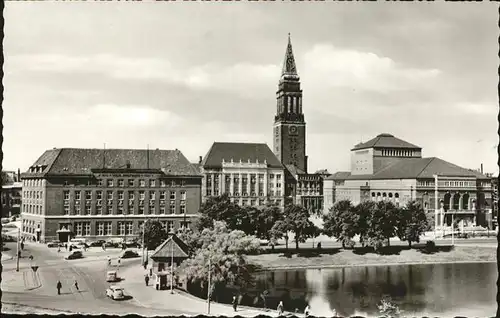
(134, 286)
(21, 281)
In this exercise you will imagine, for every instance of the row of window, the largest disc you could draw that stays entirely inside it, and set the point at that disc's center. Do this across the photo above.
(105, 228)
(32, 182)
(253, 202)
(378, 194)
(289, 104)
(121, 194)
(244, 177)
(32, 208)
(216, 192)
(142, 183)
(398, 153)
(130, 209)
(32, 194)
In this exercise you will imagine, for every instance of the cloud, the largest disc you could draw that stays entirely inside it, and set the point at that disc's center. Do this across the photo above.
(337, 67)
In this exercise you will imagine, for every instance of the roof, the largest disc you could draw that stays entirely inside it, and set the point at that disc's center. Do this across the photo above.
(13, 185)
(228, 151)
(289, 69)
(385, 141)
(420, 168)
(78, 161)
(294, 170)
(339, 175)
(323, 172)
(164, 250)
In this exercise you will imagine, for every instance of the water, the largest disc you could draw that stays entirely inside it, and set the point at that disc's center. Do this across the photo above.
(434, 290)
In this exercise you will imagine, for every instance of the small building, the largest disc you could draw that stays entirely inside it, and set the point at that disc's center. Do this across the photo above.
(11, 199)
(173, 249)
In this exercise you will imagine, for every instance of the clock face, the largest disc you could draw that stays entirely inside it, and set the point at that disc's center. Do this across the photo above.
(293, 130)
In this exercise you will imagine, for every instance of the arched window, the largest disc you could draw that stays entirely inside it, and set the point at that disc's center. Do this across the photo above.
(373, 194)
(390, 194)
(396, 195)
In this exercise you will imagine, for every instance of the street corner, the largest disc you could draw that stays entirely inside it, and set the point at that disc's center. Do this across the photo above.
(31, 279)
(13, 281)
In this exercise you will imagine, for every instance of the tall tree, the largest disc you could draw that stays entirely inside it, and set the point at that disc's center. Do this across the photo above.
(382, 223)
(411, 222)
(267, 217)
(341, 222)
(154, 234)
(5, 178)
(363, 212)
(296, 220)
(220, 208)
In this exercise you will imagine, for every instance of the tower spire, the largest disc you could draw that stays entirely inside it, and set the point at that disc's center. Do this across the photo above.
(289, 68)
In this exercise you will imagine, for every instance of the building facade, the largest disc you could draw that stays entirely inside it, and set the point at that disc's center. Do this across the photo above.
(388, 168)
(11, 199)
(249, 173)
(97, 193)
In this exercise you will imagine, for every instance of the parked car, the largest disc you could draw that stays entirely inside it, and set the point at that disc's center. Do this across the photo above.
(74, 255)
(97, 243)
(129, 254)
(112, 244)
(111, 276)
(54, 243)
(115, 292)
(132, 244)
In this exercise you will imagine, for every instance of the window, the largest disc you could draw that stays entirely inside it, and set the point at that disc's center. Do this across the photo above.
(152, 183)
(183, 195)
(278, 193)
(66, 195)
(120, 195)
(163, 195)
(172, 183)
(98, 210)
(66, 210)
(172, 206)
(271, 176)
(141, 210)
(120, 210)
(78, 211)
(152, 195)
(121, 228)
(185, 224)
(183, 206)
(142, 183)
(261, 202)
(109, 195)
(79, 229)
(99, 183)
(162, 210)
(244, 202)
(109, 228)
(252, 202)
(130, 182)
(129, 228)
(98, 195)
(163, 183)
(88, 195)
(121, 184)
(172, 195)
(131, 209)
(142, 195)
(152, 209)
(183, 183)
(86, 229)
(109, 209)
(110, 183)
(88, 209)
(100, 228)
(170, 226)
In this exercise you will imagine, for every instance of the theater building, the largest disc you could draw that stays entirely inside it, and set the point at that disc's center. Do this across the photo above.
(388, 168)
(248, 172)
(107, 193)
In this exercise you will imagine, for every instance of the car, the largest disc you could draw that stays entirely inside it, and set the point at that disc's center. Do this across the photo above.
(112, 244)
(115, 292)
(74, 255)
(129, 254)
(53, 244)
(111, 276)
(97, 243)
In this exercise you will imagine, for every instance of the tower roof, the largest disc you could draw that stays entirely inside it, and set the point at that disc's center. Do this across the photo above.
(289, 68)
(386, 141)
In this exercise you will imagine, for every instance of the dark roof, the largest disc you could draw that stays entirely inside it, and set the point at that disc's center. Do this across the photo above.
(181, 250)
(420, 168)
(80, 161)
(239, 151)
(323, 172)
(294, 170)
(339, 175)
(289, 68)
(385, 141)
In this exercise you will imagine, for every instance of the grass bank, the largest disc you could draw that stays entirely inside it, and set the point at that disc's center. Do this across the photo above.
(395, 255)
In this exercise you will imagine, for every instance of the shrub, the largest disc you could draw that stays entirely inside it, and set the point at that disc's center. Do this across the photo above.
(430, 245)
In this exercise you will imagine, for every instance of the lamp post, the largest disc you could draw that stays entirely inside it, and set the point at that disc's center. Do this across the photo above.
(436, 202)
(18, 251)
(171, 262)
(208, 291)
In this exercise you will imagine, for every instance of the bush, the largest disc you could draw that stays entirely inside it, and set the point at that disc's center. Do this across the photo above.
(430, 245)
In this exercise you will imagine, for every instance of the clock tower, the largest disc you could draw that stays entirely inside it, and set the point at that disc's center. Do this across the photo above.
(289, 135)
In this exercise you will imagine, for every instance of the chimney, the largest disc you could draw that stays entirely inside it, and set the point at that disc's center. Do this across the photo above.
(481, 168)
(200, 159)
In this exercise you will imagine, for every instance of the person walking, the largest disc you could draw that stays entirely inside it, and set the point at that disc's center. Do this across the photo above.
(146, 279)
(76, 286)
(307, 311)
(59, 286)
(22, 245)
(235, 303)
(280, 308)
(109, 261)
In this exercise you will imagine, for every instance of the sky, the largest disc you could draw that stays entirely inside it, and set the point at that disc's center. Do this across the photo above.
(176, 75)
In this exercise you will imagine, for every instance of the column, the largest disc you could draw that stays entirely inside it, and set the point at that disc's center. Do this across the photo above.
(223, 183)
(249, 181)
(460, 204)
(240, 186)
(231, 184)
(212, 187)
(257, 188)
(265, 184)
(451, 200)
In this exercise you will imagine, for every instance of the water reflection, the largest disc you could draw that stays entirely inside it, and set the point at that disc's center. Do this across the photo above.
(441, 289)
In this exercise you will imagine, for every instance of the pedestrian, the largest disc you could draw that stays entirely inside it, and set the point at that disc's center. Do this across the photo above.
(235, 303)
(109, 261)
(59, 286)
(146, 279)
(119, 260)
(76, 286)
(58, 249)
(280, 308)
(22, 245)
(307, 311)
